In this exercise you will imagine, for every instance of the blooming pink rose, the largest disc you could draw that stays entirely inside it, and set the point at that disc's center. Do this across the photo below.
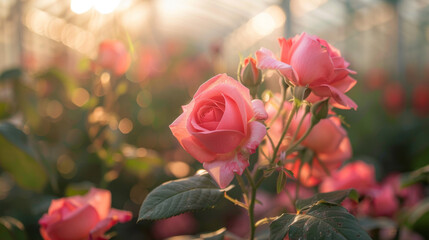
(310, 61)
(358, 175)
(218, 127)
(113, 55)
(81, 217)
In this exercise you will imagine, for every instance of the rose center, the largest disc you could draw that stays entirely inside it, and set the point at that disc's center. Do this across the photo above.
(210, 114)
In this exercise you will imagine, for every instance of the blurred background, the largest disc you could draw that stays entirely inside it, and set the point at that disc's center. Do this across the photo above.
(93, 85)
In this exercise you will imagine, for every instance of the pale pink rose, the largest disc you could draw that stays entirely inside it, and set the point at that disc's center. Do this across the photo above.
(358, 175)
(183, 224)
(81, 217)
(218, 127)
(309, 61)
(113, 56)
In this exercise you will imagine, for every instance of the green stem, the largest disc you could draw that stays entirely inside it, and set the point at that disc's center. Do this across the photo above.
(252, 204)
(283, 92)
(291, 148)
(289, 120)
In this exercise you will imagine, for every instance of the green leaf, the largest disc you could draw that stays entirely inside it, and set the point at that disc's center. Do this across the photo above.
(217, 235)
(13, 73)
(321, 221)
(175, 197)
(11, 229)
(17, 158)
(335, 197)
(281, 181)
(418, 217)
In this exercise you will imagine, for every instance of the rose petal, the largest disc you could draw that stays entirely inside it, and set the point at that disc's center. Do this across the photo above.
(192, 146)
(311, 62)
(222, 170)
(326, 90)
(76, 226)
(219, 141)
(266, 60)
(257, 132)
(259, 110)
(344, 85)
(325, 137)
(343, 153)
(114, 217)
(100, 199)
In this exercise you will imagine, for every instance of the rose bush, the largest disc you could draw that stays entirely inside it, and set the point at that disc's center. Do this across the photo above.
(310, 61)
(327, 141)
(81, 217)
(219, 128)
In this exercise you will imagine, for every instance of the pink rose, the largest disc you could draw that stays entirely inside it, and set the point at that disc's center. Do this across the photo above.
(358, 175)
(218, 127)
(113, 56)
(81, 217)
(311, 62)
(410, 195)
(384, 201)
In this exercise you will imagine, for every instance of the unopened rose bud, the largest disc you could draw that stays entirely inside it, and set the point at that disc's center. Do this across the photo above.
(250, 76)
(319, 111)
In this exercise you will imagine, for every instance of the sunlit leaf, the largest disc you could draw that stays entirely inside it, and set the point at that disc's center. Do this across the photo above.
(335, 197)
(419, 175)
(281, 181)
(180, 196)
(321, 221)
(17, 158)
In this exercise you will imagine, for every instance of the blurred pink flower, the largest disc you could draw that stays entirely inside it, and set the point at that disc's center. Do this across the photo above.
(113, 56)
(358, 175)
(183, 224)
(218, 129)
(420, 100)
(310, 61)
(81, 217)
(394, 98)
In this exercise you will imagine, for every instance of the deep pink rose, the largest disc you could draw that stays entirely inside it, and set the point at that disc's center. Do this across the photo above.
(81, 217)
(113, 56)
(358, 175)
(310, 61)
(218, 127)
